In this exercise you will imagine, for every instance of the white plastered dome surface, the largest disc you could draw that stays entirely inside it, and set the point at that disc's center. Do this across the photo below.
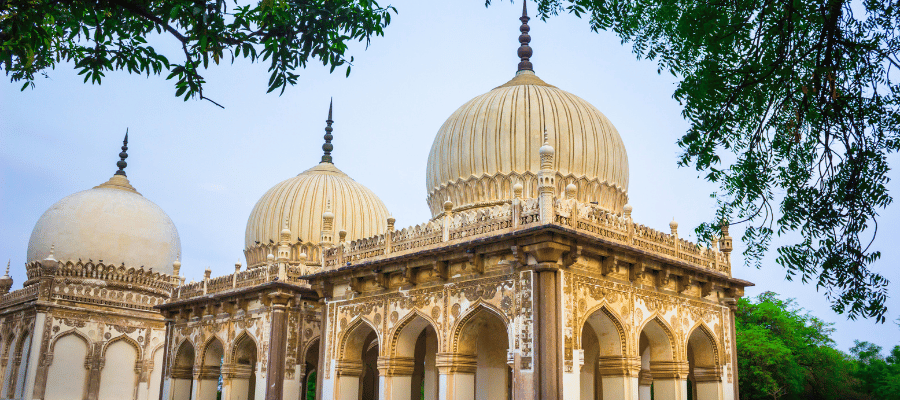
(112, 223)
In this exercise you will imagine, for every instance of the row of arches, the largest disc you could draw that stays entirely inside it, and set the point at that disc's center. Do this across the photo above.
(120, 367)
(413, 367)
(16, 351)
(211, 374)
(473, 363)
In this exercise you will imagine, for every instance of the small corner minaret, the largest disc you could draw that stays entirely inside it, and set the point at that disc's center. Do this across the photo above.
(284, 246)
(6, 281)
(524, 51)
(546, 180)
(327, 226)
(328, 147)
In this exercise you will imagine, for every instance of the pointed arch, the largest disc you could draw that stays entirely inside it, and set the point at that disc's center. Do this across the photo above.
(73, 331)
(474, 311)
(244, 343)
(616, 322)
(133, 343)
(661, 337)
(705, 345)
(353, 336)
(208, 345)
(67, 372)
(406, 332)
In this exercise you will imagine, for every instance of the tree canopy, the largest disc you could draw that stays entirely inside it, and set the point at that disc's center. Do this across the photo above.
(784, 352)
(793, 112)
(106, 35)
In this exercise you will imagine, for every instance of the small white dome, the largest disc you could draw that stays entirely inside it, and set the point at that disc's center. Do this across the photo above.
(111, 222)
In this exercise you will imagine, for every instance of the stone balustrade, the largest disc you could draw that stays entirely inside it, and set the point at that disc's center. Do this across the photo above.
(19, 296)
(247, 278)
(585, 218)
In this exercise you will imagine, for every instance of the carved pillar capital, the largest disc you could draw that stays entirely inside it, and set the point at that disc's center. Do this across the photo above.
(396, 366)
(456, 363)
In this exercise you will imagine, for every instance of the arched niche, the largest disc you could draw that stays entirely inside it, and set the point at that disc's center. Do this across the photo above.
(156, 357)
(67, 375)
(118, 379)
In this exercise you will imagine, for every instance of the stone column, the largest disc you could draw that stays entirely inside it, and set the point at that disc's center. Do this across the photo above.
(619, 375)
(547, 342)
(645, 379)
(277, 346)
(207, 382)
(709, 383)
(346, 377)
(669, 380)
(93, 376)
(182, 379)
(456, 376)
(395, 376)
(165, 372)
(323, 335)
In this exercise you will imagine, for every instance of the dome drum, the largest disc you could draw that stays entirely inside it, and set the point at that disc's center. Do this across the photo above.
(488, 191)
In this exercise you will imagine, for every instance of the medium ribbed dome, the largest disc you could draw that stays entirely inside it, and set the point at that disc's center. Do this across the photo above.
(491, 143)
(111, 222)
(302, 200)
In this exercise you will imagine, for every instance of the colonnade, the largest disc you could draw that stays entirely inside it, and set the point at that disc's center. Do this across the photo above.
(471, 362)
(212, 375)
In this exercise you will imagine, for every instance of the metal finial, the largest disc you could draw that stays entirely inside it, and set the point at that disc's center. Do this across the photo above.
(123, 155)
(7, 266)
(524, 49)
(328, 147)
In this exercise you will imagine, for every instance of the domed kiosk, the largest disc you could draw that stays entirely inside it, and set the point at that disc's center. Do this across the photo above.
(298, 204)
(111, 223)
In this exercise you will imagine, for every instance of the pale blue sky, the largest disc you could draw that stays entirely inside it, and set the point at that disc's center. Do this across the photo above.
(207, 167)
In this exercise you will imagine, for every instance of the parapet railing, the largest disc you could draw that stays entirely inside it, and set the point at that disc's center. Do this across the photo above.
(276, 271)
(19, 296)
(523, 213)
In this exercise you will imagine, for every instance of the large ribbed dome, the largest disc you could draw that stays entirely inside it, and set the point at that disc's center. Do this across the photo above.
(302, 200)
(491, 143)
(111, 222)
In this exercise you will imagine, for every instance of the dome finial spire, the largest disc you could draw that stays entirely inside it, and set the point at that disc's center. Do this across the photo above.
(524, 39)
(328, 147)
(123, 155)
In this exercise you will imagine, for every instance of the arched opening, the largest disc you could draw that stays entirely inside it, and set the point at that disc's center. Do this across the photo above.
(118, 379)
(606, 367)
(67, 375)
(183, 372)
(311, 362)
(669, 375)
(413, 372)
(243, 369)
(480, 362)
(210, 376)
(705, 377)
(357, 370)
(645, 379)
